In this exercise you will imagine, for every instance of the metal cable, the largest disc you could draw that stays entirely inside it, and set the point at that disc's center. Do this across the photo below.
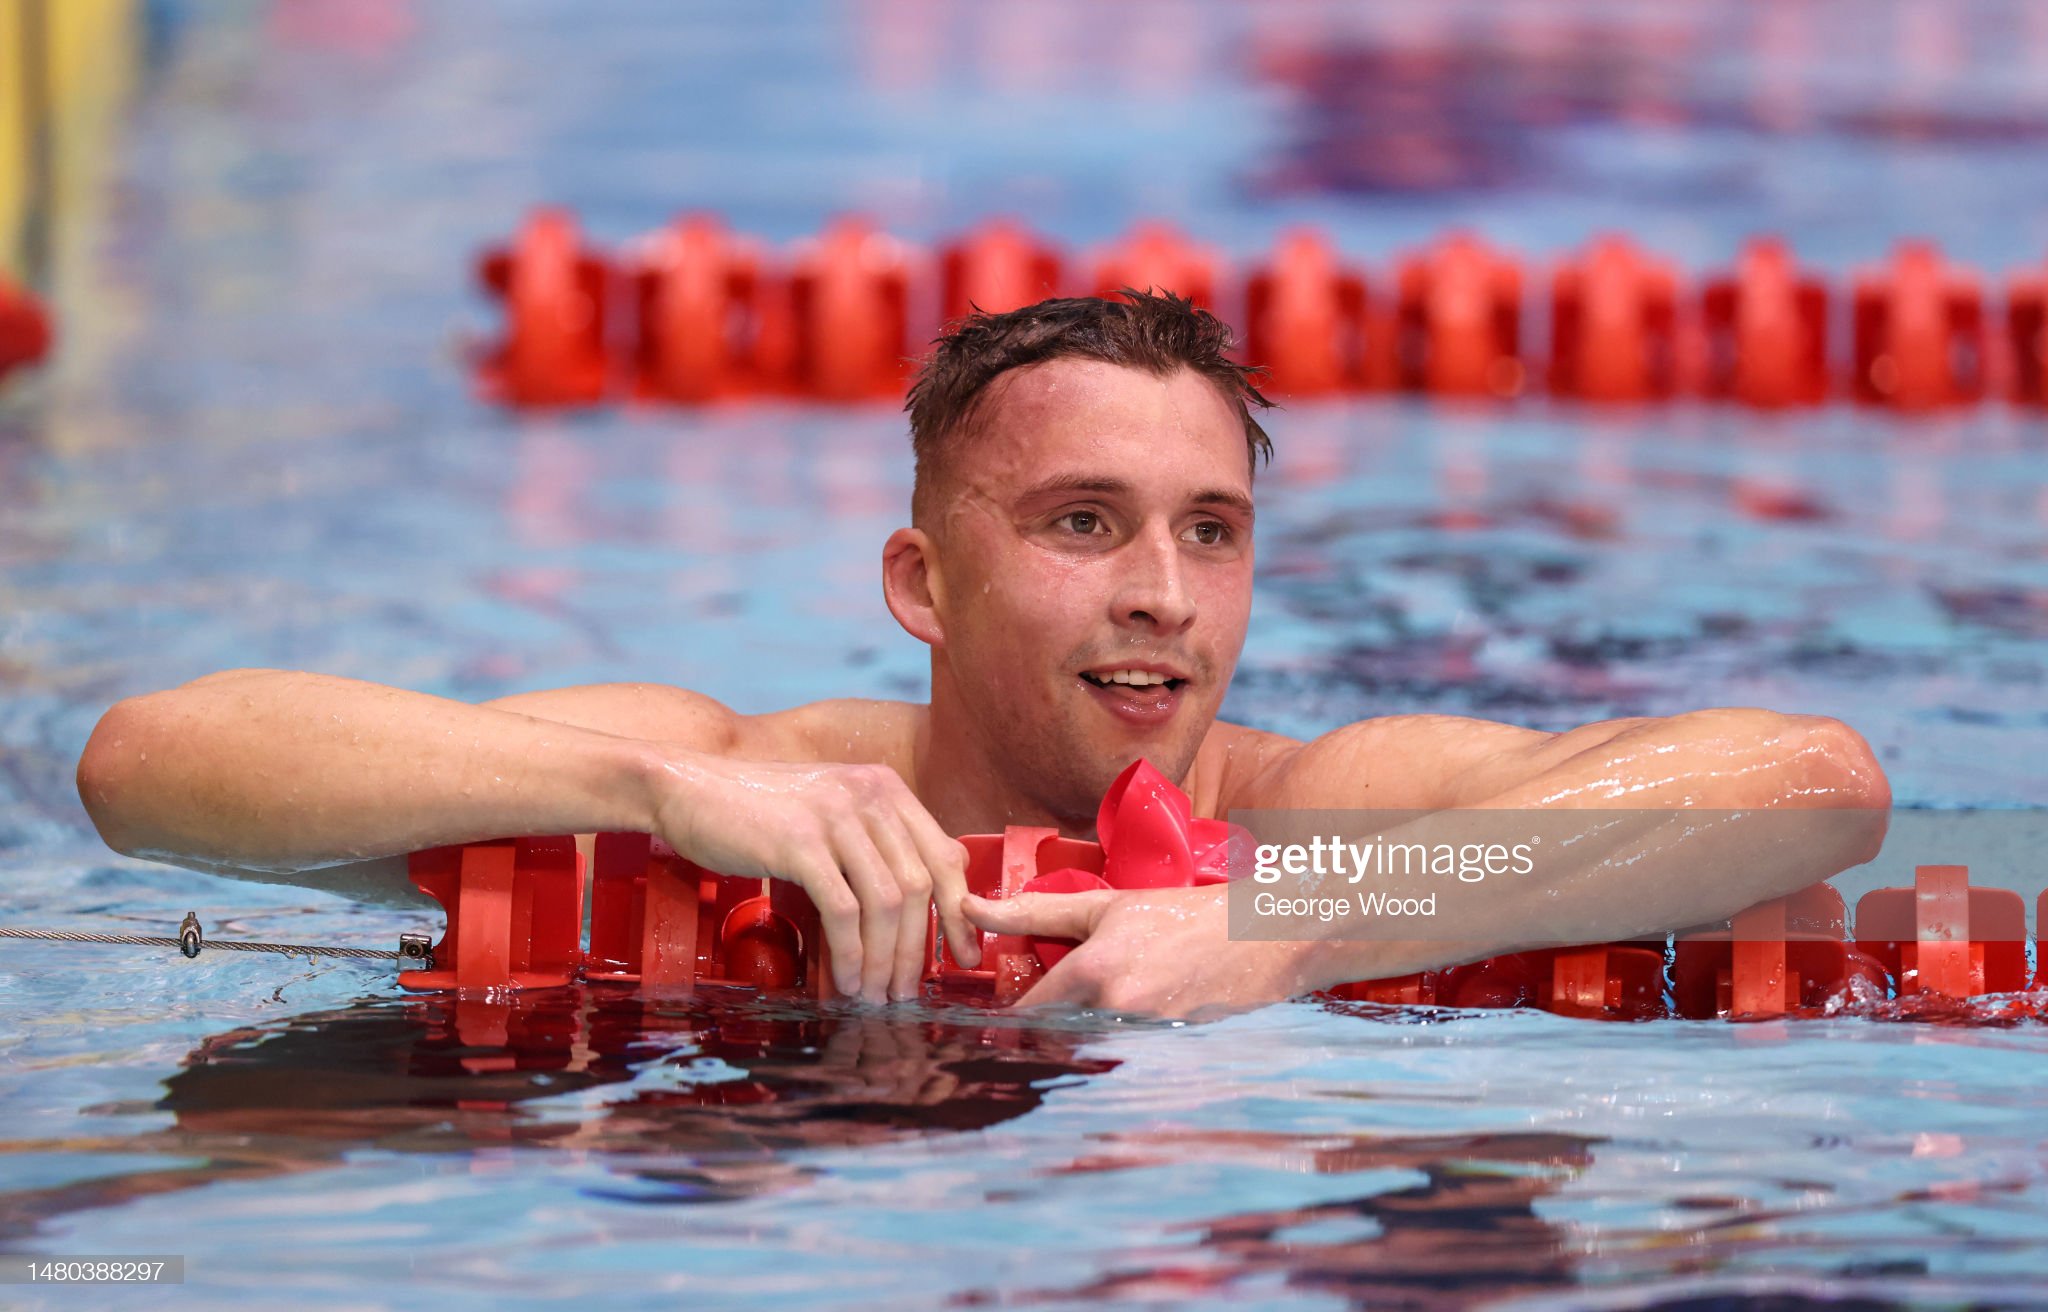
(414, 947)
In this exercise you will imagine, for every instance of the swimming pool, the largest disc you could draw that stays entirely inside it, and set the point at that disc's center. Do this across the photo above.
(259, 450)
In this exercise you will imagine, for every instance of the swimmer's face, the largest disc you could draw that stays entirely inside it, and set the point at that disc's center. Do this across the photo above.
(1098, 519)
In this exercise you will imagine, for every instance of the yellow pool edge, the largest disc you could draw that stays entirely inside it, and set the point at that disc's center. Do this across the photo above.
(66, 67)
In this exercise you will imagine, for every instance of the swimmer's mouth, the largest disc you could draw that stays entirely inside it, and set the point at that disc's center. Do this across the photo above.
(1134, 679)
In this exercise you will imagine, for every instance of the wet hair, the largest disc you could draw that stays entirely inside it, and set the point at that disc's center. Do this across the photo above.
(1157, 332)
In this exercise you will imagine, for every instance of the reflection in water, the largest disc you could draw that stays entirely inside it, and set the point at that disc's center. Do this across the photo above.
(1466, 1229)
(704, 1100)
(712, 1095)
(719, 1099)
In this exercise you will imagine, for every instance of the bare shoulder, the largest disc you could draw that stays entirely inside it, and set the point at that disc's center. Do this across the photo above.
(1231, 756)
(851, 730)
(848, 729)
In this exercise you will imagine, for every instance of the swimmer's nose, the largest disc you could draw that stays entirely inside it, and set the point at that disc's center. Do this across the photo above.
(1154, 586)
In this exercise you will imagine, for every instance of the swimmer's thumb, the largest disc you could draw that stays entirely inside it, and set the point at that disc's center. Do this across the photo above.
(1042, 915)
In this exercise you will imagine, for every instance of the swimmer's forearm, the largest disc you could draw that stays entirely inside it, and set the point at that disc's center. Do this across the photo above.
(1649, 873)
(280, 771)
(1683, 828)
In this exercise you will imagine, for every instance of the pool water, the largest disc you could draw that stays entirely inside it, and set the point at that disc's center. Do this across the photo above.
(259, 449)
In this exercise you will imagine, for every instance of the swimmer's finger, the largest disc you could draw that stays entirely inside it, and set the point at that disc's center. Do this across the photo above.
(839, 912)
(881, 903)
(1047, 915)
(914, 925)
(945, 857)
(1074, 982)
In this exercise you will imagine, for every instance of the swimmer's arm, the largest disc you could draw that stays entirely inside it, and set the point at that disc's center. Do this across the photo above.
(1723, 757)
(309, 779)
(1167, 951)
(285, 773)
(1657, 872)
(1733, 758)
(279, 774)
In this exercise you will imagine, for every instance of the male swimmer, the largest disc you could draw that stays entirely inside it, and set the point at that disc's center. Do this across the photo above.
(1079, 562)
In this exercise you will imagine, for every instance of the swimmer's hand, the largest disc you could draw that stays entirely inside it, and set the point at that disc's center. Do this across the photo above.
(854, 836)
(1159, 952)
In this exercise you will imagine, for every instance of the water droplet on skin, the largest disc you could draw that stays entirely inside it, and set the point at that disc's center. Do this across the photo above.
(142, 756)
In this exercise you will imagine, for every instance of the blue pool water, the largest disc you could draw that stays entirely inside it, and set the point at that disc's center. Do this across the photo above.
(259, 449)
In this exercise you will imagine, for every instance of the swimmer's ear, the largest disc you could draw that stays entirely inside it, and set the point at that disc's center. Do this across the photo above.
(911, 584)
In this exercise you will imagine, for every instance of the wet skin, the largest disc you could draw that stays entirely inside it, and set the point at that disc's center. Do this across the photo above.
(1098, 519)
(1092, 518)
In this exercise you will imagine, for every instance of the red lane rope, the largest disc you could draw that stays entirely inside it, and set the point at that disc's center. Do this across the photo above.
(659, 921)
(696, 312)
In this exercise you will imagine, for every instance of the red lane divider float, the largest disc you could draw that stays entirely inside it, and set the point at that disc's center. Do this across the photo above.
(696, 313)
(1155, 255)
(515, 914)
(1920, 339)
(1766, 330)
(998, 267)
(1605, 981)
(1458, 328)
(1773, 959)
(1614, 325)
(24, 329)
(1614, 981)
(1307, 312)
(1942, 936)
(698, 290)
(849, 302)
(661, 923)
(556, 293)
(2027, 335)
